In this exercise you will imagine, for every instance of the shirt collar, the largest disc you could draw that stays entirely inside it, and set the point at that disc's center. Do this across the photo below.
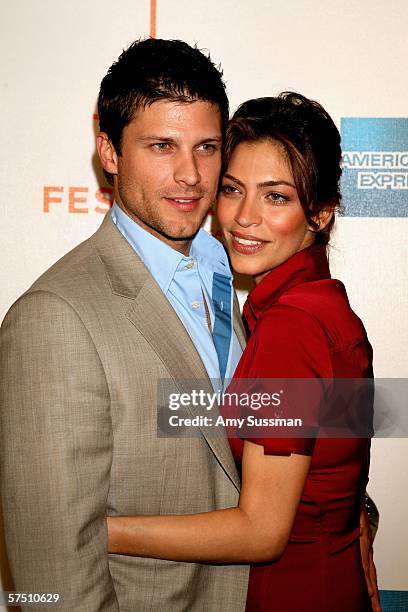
(309, 264)
(209, 253)
(161, 260)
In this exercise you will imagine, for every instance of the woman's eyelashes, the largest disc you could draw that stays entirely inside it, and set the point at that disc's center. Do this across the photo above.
(277, 198)
(229, 189)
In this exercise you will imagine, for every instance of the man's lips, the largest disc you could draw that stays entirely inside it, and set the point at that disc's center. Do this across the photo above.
(246, 244)
(186, 204)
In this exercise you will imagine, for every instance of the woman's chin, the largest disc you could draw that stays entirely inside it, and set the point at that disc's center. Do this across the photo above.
(246, 268)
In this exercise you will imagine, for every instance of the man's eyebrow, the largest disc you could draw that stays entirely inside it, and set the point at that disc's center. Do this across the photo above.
(158, 138)
(154, 138)
(263, 184)
(211, 139)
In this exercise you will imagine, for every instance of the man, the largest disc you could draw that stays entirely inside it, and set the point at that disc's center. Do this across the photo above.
(82, 351)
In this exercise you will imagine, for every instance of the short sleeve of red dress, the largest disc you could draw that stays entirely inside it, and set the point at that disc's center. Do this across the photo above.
(287, 343)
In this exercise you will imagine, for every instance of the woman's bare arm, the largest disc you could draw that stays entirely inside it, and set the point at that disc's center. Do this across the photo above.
(256, 531)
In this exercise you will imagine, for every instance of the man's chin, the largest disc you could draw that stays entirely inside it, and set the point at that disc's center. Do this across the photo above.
(181, 232)
(181, 236)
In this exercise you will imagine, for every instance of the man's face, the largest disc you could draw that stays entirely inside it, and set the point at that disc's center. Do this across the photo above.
(166, 177)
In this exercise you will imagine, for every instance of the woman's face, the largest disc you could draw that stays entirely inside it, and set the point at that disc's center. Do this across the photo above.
(262, 220)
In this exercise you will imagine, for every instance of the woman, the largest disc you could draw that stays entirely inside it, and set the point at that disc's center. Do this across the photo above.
(298, 515)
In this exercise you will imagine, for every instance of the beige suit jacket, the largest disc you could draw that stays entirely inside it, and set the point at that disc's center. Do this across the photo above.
(80, 356)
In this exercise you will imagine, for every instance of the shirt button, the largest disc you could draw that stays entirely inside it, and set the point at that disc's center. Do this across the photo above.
(190, 265)
(195, 305)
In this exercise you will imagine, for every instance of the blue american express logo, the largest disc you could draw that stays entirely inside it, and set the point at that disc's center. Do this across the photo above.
(375, 167)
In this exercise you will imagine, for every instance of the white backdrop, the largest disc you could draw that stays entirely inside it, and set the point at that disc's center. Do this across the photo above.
(349, 55)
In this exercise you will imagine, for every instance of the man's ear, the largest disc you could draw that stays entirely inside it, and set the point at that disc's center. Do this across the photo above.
(107, 153)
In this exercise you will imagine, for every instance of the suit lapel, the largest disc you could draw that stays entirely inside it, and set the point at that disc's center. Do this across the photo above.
(238, 325)
(151, 313)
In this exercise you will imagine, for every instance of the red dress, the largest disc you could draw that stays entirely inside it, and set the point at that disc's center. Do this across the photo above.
(300, 325)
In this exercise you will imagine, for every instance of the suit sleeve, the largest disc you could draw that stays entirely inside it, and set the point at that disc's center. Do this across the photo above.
(56, 451)
(288, 353)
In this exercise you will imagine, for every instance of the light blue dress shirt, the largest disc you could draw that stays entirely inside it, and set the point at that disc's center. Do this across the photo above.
(183, 279)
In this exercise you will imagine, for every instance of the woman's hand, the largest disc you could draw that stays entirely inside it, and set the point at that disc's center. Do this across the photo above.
(367, 556)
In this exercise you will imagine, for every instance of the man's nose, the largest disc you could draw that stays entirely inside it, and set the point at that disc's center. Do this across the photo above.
(248, 212)
(186, 170)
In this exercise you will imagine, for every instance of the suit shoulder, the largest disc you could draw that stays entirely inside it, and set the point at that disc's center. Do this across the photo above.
(73, 264)
(74, 278)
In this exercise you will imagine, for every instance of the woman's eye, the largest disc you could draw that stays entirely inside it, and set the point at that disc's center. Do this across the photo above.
(278, 198)
(228, 189)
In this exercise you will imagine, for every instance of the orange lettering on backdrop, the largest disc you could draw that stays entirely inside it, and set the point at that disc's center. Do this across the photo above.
(73, 200)
(104, 195)
(47, 199)
(153, 16)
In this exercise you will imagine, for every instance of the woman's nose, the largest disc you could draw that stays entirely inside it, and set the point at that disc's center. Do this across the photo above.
(248, 213)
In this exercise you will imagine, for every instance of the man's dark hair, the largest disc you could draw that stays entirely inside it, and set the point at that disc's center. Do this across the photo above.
(154, 69)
